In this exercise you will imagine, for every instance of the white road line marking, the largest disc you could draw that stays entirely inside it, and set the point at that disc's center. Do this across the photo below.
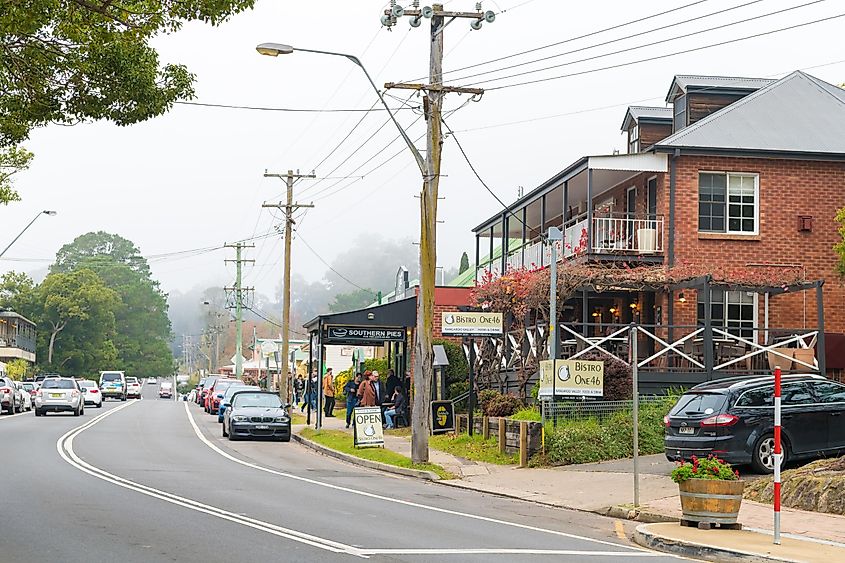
(8, 416)
(64, 446)
(394, 501)
(515, 551)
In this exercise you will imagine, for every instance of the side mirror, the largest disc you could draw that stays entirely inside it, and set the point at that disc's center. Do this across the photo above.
(224, 405)
(287, 405)
(220, 395)
(84, 389)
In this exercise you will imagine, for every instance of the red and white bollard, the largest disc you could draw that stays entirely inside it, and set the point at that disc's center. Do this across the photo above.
(778, 456)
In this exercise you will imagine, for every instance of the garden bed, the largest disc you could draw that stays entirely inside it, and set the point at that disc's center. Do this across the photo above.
(817, 486)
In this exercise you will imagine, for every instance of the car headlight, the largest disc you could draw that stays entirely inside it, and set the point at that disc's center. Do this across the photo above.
(282, 419)
(238, 419)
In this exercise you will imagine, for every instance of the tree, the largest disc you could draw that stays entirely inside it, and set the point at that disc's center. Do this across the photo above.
(353, 300)
(16, 293)
(81, 302)
(12, 161)
(79, 60)
(839, 247)
(464, 263)
(93, 250)
(17, 368)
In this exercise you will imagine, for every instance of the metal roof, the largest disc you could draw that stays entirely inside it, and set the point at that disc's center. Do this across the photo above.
(688, 82)
(637, 113)
(796, 114)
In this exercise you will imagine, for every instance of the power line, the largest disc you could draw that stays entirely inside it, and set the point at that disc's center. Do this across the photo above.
(291, 110)
(571, 39)
(667, 55)
(344, 278)
(631, 36)
(637, 47)
(274, 323)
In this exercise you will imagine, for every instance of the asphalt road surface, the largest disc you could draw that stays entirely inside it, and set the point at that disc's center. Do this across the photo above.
(153, 480)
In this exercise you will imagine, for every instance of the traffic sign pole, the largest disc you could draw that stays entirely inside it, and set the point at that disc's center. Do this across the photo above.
(778, 456)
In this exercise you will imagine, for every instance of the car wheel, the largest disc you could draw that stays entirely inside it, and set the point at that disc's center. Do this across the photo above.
(763, 456)
(225, 434)
(100, 405)
(123, 398)
(37, 412)
(286, 439)
(76, 411)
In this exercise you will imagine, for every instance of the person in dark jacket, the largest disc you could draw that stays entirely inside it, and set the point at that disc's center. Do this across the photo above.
(351, 392)
(398, 407)
(392, 383)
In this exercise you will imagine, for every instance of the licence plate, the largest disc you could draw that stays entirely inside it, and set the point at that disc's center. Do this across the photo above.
(686, 430)
(262, 427)
(56, 395)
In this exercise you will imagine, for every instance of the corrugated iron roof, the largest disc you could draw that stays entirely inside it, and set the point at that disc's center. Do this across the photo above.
(685, 82)
(645, 112)
(798, 113)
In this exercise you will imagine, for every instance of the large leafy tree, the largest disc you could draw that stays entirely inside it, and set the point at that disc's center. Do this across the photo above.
(66, 61)
(141, 313)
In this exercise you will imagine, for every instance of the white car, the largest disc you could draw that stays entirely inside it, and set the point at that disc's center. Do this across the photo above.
(26, 399)
(91, 393)
(133, 388)
(152, 381)
(59, 394)
(10, 399)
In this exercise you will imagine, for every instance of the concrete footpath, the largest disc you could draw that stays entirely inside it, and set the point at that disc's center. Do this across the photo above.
(607, 488)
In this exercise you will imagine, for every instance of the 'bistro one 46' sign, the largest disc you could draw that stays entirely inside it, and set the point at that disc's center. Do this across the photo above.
(471, 324)
(579, 378)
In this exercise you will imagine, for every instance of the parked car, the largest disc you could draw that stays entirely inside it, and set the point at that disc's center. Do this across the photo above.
(212, 399)
(166, 390)
(113, 384)
(152, 381)
(26, 399)
(133, 388)
(227, 397)
(200, 386)
(10, 398)
(256, 414)
(91, 394)
(32, 388)
(734, 419)
(59, 394)
(206, 387)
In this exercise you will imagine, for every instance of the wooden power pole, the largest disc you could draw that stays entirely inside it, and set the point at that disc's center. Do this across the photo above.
(435, 91)
(288, 209)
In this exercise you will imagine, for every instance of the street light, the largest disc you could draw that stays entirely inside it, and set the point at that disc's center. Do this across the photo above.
(276, 49)
(40, 213)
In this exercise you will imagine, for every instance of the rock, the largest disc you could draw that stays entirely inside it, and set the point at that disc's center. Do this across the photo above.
(818, 486)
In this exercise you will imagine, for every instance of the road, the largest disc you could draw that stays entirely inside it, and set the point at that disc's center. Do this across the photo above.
(153, 480)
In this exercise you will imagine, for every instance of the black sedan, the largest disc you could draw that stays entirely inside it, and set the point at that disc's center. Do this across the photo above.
(256, 414)
(734, 420)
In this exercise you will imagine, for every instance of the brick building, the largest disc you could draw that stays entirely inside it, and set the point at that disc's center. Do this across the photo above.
(736, 173)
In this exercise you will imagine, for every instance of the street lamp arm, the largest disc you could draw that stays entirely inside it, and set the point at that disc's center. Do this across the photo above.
(417, 156)
(40, 213)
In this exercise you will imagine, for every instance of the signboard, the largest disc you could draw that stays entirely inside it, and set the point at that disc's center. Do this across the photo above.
(268, 347)
(442, 417)
(573, 378)
(362, 334)
(471, 324)
(368, 429)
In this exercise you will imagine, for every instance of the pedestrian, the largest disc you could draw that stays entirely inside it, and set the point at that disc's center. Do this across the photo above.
(398, 407)
(392, 383)
(366, 393)
(328, 393)
(299, 388)
(351, 392)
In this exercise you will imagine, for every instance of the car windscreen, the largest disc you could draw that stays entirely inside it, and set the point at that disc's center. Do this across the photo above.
(87, 383)
(256, 400)
(28, 386)
(110, 377)
(698, 404)
(131, 380)
(57, 384)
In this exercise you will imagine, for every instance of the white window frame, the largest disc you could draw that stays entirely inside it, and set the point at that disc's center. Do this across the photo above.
(728, 175)
(634, 139)
(631, 214)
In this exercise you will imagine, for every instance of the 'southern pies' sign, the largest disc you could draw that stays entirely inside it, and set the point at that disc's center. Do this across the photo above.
(574, 378)
(368, 429)
(471, 324)
(352, 334)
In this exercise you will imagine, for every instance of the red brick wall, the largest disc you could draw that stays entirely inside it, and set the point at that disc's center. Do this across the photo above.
(788, 188)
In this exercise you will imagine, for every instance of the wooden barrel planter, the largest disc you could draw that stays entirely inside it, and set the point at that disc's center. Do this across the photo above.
(708, 501)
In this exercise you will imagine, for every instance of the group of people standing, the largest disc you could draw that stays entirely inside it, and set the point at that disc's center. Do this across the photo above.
(365, 390)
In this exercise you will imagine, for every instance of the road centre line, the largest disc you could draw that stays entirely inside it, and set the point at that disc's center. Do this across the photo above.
(64, 446)
(394, 501)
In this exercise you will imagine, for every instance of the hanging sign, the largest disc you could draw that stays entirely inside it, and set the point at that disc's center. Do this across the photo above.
(442, 417)
(571, 378)
(363, 335)
(368, 428)
(471, 324)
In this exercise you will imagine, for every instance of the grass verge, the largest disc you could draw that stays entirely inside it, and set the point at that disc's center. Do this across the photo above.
(342, 442)
(473, 447)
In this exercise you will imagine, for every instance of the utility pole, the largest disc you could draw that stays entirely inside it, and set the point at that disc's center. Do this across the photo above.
(288, 209)
(432, 103)
(239, 291)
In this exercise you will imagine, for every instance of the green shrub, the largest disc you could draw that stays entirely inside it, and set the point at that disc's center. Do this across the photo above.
(340, 381)
(709, 467)
(502, 405)
(618, 378)
(485, 396)
(527, 413)
(458, 369)
(591, 440)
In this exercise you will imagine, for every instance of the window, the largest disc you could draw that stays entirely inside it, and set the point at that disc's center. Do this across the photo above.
(680, 113)
(634, 139)
(829, 392)
(727, 203)
(652, 198)
(731, 309)
(761, 397)
(631, 202)
(796, 394)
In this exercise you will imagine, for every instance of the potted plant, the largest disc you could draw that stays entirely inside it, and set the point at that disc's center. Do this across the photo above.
(711, 491)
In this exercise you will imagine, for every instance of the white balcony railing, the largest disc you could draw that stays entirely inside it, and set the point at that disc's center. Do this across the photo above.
(627, 234)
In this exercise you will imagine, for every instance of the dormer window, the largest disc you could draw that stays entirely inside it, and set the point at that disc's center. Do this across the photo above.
(680, 113)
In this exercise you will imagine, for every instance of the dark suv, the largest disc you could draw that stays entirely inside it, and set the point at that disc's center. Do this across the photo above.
(734, 420)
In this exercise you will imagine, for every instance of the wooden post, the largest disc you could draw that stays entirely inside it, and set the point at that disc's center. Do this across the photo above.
(523, 443)
(485, 427)
(502, 436)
